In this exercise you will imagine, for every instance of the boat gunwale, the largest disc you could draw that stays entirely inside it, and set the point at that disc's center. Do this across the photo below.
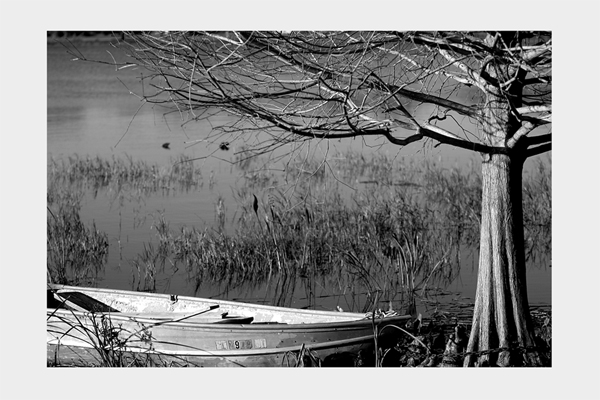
(353, 319)
(258, 327)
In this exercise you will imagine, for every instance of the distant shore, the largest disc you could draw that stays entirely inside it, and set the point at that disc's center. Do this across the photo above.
(81, 36)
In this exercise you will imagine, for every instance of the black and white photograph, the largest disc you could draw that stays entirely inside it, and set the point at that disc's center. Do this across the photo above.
(233, 197)
(345, 189)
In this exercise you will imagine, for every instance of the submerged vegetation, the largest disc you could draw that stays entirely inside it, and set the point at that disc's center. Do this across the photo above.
(118, 174)
(374, 228)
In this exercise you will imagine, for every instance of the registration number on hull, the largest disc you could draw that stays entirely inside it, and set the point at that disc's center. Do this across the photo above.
(241, 344)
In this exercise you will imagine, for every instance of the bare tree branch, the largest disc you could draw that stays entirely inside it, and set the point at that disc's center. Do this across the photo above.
(474, 76)
(333, 85)
(525, 129)
(445, 137)
(540, 139)
(534, 109)
(534, 151)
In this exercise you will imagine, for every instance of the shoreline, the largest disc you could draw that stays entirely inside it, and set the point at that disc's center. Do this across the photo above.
(54, 37)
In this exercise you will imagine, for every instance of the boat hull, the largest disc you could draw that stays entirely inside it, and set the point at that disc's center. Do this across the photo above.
(346, 355)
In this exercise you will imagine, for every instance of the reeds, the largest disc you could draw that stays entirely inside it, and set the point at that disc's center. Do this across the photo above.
(125, 174)
(75, 252)
(375, 228)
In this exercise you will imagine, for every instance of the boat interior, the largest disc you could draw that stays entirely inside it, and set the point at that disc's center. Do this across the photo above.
(77, 301)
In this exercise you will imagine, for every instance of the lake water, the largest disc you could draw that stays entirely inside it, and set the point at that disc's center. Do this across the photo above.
(91, 112)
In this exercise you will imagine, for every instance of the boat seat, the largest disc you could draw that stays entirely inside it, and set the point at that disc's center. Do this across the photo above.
(78, 301)
(235, 320)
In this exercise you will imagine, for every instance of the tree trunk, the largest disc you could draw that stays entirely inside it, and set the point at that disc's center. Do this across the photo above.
(501, 317)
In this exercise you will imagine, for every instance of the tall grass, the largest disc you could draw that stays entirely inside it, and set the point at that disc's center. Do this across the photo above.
(384, 241)
(377, 226)
(120, 174)
(75, 252)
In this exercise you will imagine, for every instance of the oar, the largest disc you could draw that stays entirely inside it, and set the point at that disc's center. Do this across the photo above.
(213, 307)
(149, 318)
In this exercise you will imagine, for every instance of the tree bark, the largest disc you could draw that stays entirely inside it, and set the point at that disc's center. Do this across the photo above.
(501, 317)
